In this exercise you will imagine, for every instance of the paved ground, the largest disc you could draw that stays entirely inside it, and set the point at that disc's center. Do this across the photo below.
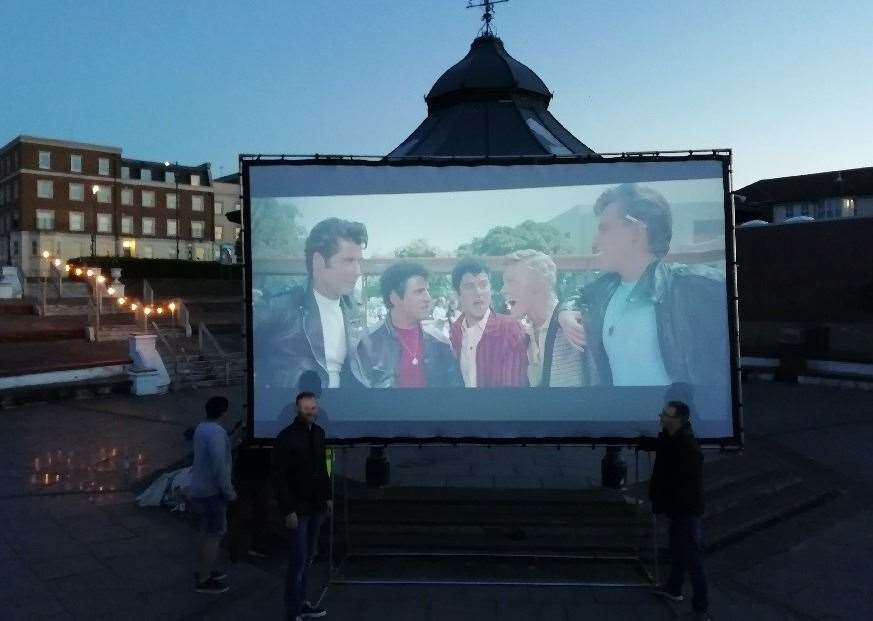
(74, 545)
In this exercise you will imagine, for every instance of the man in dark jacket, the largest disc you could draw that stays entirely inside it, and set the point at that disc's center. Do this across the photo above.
(302, 487)
(317, 327)
(676, 489)
(646, 322)
(400, 352)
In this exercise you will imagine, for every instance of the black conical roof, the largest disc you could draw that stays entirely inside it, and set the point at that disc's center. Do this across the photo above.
(489, 104)
(486, 71)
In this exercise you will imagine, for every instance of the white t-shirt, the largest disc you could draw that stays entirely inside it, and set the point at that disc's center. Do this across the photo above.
(333, 330)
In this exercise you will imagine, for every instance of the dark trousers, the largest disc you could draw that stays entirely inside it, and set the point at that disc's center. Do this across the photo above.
(686, 552)
(303, 547)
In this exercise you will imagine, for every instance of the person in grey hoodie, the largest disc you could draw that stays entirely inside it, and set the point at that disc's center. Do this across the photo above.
(210, 492)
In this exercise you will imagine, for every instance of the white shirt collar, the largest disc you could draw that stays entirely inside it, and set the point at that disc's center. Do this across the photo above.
(325, 301)
(480, 324)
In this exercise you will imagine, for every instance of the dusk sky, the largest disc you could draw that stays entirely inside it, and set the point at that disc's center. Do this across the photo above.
(785, 84)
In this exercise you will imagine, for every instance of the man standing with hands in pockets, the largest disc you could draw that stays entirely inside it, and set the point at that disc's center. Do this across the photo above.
(302, 487)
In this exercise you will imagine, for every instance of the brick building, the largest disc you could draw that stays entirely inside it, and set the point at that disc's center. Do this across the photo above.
(75, 199)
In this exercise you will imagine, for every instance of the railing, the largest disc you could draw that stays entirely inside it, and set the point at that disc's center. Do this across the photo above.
(170, 350)
(206, 338)
(183, 317)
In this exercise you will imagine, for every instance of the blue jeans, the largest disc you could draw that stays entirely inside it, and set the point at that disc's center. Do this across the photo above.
(303, 547)
(686, 552)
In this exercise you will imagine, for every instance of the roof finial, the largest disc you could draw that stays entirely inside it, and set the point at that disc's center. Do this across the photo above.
(487, 15)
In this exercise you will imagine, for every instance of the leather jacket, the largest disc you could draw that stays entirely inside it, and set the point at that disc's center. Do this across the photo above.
(289, 341)
(690, 315)
(382, 350)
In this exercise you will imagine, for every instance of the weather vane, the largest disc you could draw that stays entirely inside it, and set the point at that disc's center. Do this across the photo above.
(487, 15)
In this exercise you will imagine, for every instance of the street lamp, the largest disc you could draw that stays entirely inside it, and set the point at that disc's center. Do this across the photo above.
(45, 255)
(145, 318)
(95, 190)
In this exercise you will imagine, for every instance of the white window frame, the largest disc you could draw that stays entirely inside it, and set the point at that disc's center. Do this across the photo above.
(127, 225)
(197, 224)
(41, 185)
(219, 232)
(103, 167)
(172, 222)
(173, 198)
(77, 196)
(45, 160)
(150, 201)
(104, 222)
(81, 217)
(127, 196)
(125, 172)
(169, 176)
(145, 174)
(150, 229)
(197, 202)
(195, 180)
(42, 214)
(104, 195)
(75, 157)
(218, 208)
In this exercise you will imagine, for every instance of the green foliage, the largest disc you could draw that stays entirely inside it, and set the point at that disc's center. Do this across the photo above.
(275, 231)
(502, 240)
(416, 248)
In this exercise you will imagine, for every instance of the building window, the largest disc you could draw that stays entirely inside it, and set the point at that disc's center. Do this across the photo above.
(103, 166)
(171, 228)
(45, 160)
(218, 233)
(76, 163)
(171, 201)
(195, 179)
(148, 226)
(236, 206)
(145, 174)
(104, 223)
(169, 176)
(148, 198)
(34, 248)
(219, 208)
(127, 224)
(196, 203)
(236, 231)
(848, 208)
(77, 192)
(126, 196)
(45, 219)
(197, 229)
(45, 188)
(103, 194)
(77, 221)
(125, 172)
(146, 252)
(200, 253)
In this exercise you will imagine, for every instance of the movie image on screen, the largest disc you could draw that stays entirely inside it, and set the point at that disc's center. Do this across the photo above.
(563, 300)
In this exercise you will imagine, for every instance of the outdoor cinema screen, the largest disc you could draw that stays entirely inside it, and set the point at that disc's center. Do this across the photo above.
(490, 301)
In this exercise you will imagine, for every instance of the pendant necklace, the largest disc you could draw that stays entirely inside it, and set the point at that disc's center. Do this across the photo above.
(611, 330)
(409, 351)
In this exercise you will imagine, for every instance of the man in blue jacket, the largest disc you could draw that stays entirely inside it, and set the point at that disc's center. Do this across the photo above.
(210, 492)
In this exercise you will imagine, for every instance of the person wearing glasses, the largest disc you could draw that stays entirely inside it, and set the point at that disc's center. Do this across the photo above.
(646, 322)
(676, 490)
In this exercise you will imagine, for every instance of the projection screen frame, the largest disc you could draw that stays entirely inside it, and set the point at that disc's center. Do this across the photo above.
(724, 156)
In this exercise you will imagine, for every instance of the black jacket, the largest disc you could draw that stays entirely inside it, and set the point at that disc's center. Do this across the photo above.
(690, 314)
(299, 469)
(382, 351)
(676, 486)
(289, 341)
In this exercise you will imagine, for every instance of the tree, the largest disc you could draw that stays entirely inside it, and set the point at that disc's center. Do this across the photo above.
(502, 240)
(416, 248)
(275, 231)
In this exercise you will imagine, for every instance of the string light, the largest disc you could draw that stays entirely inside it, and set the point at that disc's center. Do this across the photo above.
(121, 301)
(147, 310)
(160, 310)
(133, 306)
(46, 254)
(172, 306)
(111, 291)
(78, 271)
(67, 267)
(57, 263)
(89, 273)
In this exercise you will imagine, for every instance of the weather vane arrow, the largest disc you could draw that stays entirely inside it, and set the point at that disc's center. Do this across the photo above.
(487, 14)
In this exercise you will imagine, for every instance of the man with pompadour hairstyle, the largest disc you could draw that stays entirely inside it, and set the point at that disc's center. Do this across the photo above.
(317, 327)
